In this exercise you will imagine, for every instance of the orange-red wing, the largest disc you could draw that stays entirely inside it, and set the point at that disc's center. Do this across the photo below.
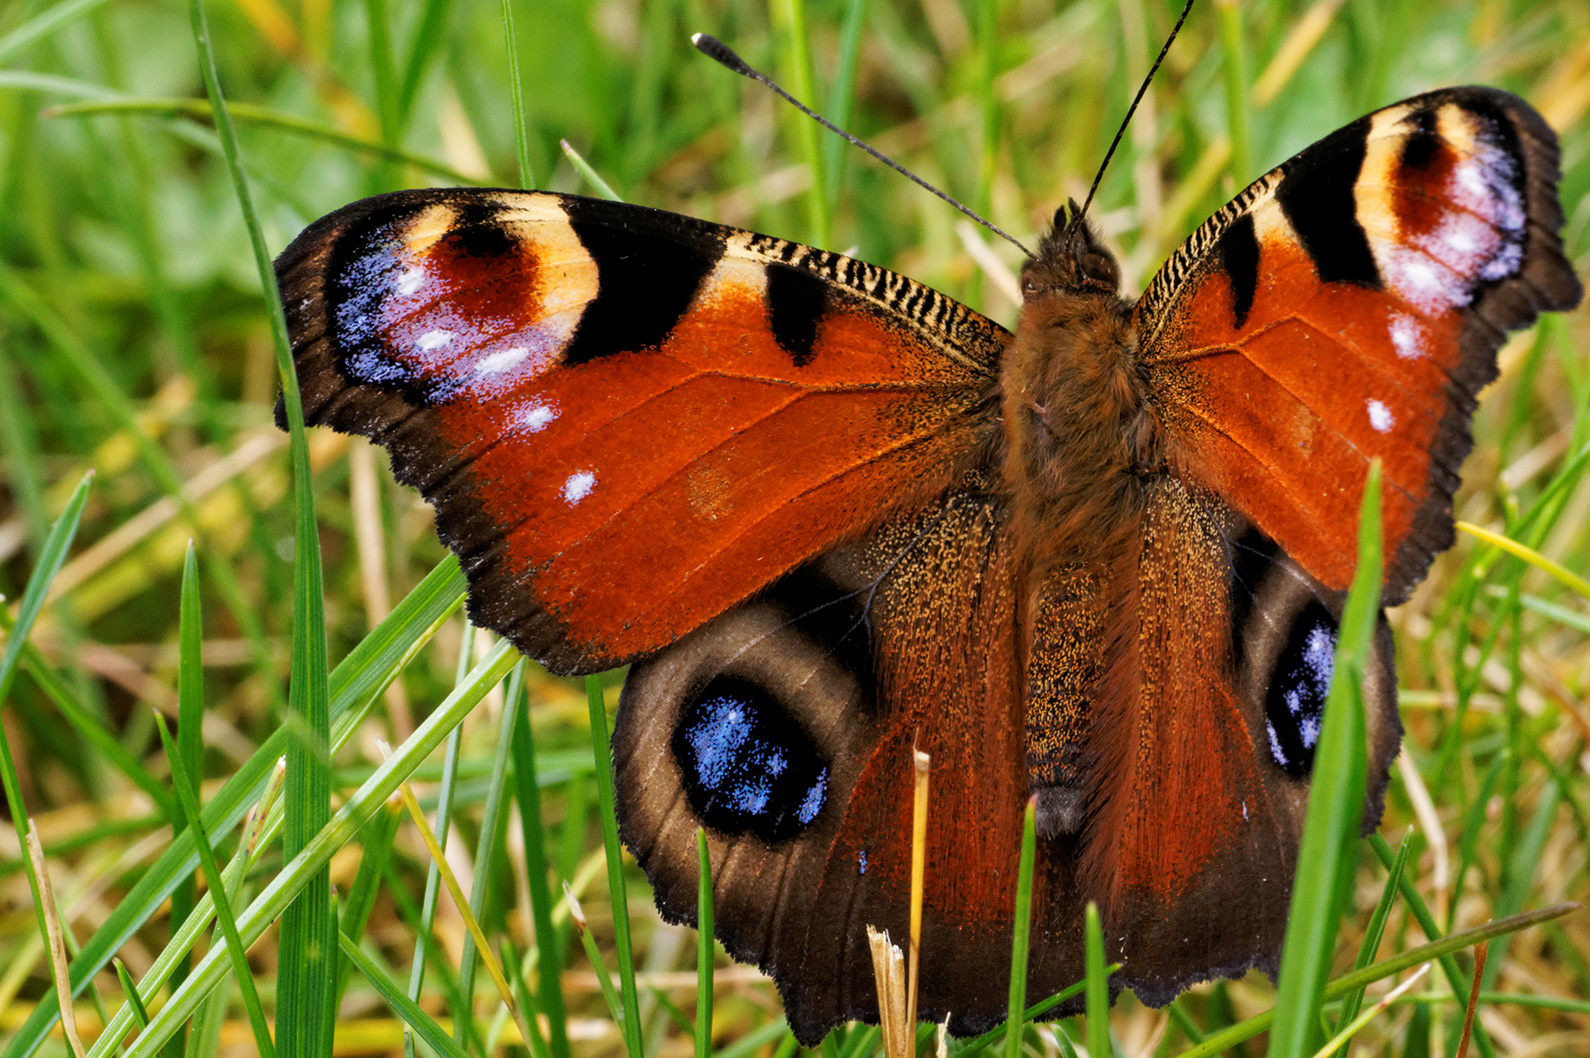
(1349, 305)
(628, 420)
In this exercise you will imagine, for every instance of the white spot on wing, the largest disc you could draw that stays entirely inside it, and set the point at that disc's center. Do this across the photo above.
(433, 340)
(579, 486)
(1380, 416)
(1406, 337)
(533, 418)
(1429, 286)
(501, 360)
(410, 281)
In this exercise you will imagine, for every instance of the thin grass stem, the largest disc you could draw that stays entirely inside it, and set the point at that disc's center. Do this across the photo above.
(414, 1017)
(521, 129)
(705, 950)
(549, 947)
(1098, 985)
(237, 951)
(803, 83)
(617, 891)
(1021, 926)
(1328, 854)
(492, 823)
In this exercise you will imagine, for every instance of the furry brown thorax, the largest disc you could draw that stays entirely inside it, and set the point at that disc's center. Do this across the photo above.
(1081, 436)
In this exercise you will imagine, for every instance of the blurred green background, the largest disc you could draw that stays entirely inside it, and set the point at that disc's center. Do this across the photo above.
(133, 341)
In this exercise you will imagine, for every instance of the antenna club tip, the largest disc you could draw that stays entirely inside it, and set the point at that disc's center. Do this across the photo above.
(715, 49)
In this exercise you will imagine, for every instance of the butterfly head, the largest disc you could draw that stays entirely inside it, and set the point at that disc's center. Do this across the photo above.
(1071, 260)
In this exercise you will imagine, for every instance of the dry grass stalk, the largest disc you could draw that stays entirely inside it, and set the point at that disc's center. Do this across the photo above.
(888, 969)
(1474, 999)
(52, 925)
(919, 806)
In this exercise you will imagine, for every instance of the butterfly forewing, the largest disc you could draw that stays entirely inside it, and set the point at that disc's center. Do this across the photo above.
(607, 403)
(1349, 306)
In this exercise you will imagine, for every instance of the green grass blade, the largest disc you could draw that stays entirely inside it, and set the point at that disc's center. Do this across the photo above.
(375, 841)
(993, 1037)
(1235, 53)
(309, 863)
(705, 950)
(190, 738)
(386, 89)
(51, 557)
(513, 966)
(549, 947)
(492, 821)
(1468, 842)
(588, 171)
(425, 934)
(755, 1040)
(1441, 951)
(792, 15)
(254, 114)
(1335, 806)
(604, 980)
(988, 104)
(89, 372)
(306, 962)
(1098, 985)
(421, 1023)
(1561, 573)
(429, 36)
(19, 439)
(193, 929)
(618, 893)
(361, 676)
(187, 798)
(1021, 931)
(80, 715)
(841, 95)
(1525, 859)
(355, 684)
(521, 129)
(1377, 928)
(43, 24)
(1455, 977)
(130, 990)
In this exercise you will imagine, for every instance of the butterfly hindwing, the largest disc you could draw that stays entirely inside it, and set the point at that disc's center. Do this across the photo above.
(1349, 305)
(905, 638)
(1217, 662)
(784, 729)
(608, 403)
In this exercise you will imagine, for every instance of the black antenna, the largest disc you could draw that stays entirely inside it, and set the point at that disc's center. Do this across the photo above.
(713, 48)
(1077, 217)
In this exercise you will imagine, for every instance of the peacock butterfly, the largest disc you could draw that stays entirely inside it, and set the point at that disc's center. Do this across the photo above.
(823, 509)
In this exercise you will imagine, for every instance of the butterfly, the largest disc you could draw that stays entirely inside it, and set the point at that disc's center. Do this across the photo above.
(824, 511)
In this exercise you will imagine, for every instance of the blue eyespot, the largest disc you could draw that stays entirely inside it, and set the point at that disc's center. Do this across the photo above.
(1295, 703)
(747, 764)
